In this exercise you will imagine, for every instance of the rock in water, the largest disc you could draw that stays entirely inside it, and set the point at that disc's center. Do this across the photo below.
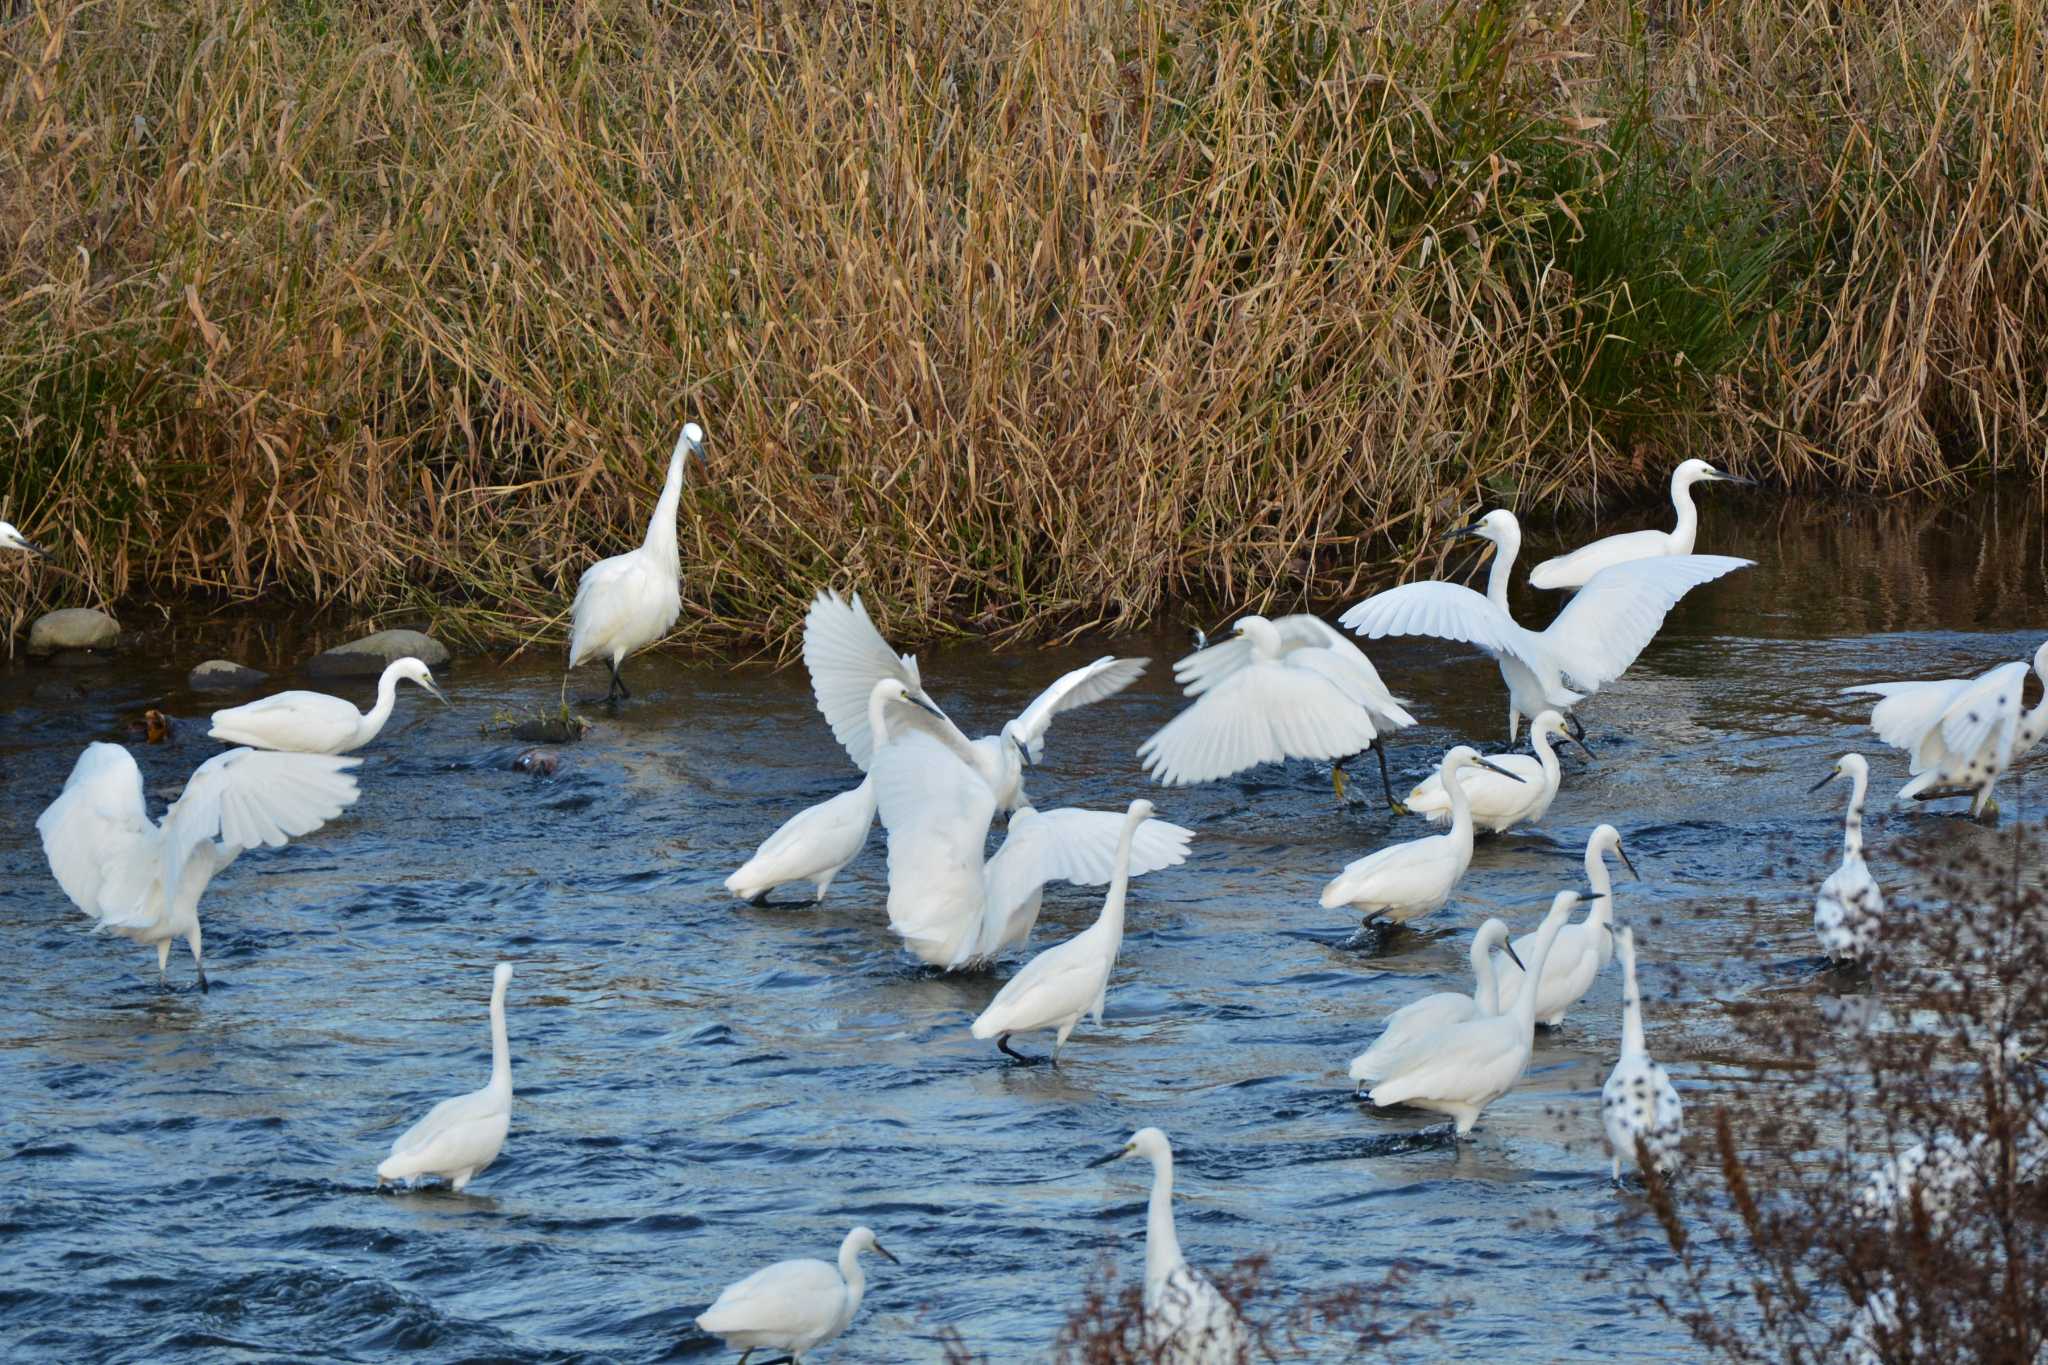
(224, 675)
(73, 628)
(366, 658)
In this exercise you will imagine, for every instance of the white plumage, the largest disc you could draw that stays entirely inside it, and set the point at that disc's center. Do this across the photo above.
(1499, 803)
(1583, 948)
(461, 1136)
(142, 879)
(1413, 878)
(315, 723)
(11, 539)
(1071, 979)
(627, 602)
(1639, 1103)
(1461, 1069)
(1065, 845)
(794, 1306)
(1849, 911)
(1590, 644)
(1187, 1319)
(814, 845)
(1572, 570)
(1432, 1014)
(1961, 732)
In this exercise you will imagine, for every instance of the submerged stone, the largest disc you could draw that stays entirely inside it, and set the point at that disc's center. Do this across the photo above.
(224, 675)
(73, 628)
(367, 657)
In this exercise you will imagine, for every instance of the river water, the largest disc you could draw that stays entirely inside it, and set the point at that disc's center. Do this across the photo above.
(705, 1087)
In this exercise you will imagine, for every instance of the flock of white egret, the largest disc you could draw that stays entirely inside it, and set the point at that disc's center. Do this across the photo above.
(1287, 688)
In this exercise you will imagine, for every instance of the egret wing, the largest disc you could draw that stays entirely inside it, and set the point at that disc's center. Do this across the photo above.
(308, 721)
(1616, 614)
(1082, 687)
(1447, 611)
(1203, 669)
(1079, 846)
(98, 836)
(1063, 980)
(937, 812)
(254, 798)
(1985, 713)
(800, 1298)
(1572, 570)
(1317, 646)
(1262, 713)
(1907, 713)
(607, 597)
(846, 657)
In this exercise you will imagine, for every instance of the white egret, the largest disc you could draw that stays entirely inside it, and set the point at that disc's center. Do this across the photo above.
(1069, 845)
(1498, 804)
(814, 845)
(142, 879)
(1572, 570)
(1408, 880)
(1071, 979)
(315, 723)
(1935, 1176)
(1961, 733)
(1461, 1069)
(1639, 1104)
(1187, 1319)
(462, 1135)
(1433, 1013)
(1291, 688)
(627, 602)
(1590, 644)
(1849, 911)
(794, 1306)
(11, 539)
(847, 656)
(1583, 948)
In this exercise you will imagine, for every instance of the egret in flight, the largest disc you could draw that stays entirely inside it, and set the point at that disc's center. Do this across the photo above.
(1572, 570)
(627, 602)
(11, 539)
(1590, 644)
(142, 879)
(459, 1137)
(847, 656)
(1187, 1319)
(793, 1306)
(1961, 734)
(1639, 1105)
(315, 723)
(1433, 1013)
(1849, 911)
(1498, 804)
(1291, 688)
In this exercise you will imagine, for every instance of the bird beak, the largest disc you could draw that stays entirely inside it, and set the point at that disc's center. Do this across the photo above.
(1477, 528)
(881, 1250)
(1583, 747)
(1023, 754)
(1509, 949)
(1719, 477)
(428, 683)
(920, 701)
(1622, 853)
(1502, 771)
(1822, 783)
(1108, 1157)
(38, 551)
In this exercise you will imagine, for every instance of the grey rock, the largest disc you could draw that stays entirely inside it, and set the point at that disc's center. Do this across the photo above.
(367, 657)
(224, 675)
(73, 628)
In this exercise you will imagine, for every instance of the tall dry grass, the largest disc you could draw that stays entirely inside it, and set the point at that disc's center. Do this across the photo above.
(1025, 317)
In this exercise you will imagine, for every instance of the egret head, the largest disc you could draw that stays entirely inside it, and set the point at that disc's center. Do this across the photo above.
(1140, 809)
(1607, 839)
(863, 1239)
(1699, 471)
(1465, 756)
(692, 442)
(2041, 661)
(1551, 724)
(903, 692)
(11, 539)
(1146, 1142)
(1494, 934)
(1848, 765)
(501, 977)
(1016, 741)
(412, 670)
(1498, 526)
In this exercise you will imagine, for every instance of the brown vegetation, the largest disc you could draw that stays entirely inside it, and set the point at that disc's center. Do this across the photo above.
(1024, 317)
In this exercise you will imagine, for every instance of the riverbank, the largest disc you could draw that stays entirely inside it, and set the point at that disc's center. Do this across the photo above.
(1028, 320)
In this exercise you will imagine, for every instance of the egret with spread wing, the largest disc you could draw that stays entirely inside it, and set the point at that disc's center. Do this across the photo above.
(1572, 570)
(1961, 734)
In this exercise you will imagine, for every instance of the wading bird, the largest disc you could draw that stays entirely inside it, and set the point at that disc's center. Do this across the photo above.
(1583, 948)
(814, 845)
(1432, 1013)
(1498, 804)
(1291, 688)
(1590, 644)
(1071, 979)
(627, 602)
(1187, 1320)
(315, 723)
(460, 1136)
(847, 656)
(1639, 1104)
(11, 539)
(1961, 734)
(143, 879)
(1849, 911)
(1572, 570)
(794, 1306)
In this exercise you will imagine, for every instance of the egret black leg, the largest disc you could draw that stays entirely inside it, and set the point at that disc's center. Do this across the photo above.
(1003, 1043)
(1578, 728)
(1386, 784)
(618, 688)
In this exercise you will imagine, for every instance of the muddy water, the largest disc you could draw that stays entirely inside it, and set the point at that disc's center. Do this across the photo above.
(704, 1087)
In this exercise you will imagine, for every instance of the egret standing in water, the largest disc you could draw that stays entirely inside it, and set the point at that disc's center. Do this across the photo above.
(1291, 688)
(459, 1137)
(142, 879)
(11, 539)
(1498, 804)
(627, 602)
(1639, 1104)
(1961, 734)
(1583, 948)
(1572, 570)
(814, 845)
(1432, 1013)
(1590, 644)
(1411, 879)
(794, 1306)
(847, 657)
(315, 723)
(1187, 1319)
(1848, 913)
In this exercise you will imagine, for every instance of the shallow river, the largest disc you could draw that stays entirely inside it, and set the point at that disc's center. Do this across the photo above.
(705, 1087)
